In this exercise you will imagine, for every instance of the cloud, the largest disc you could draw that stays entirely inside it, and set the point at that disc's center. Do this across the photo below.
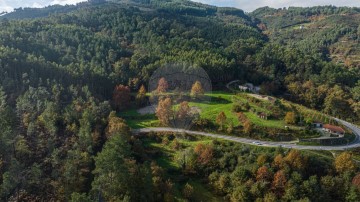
(64, 2)
(9, 5)
(254, 4)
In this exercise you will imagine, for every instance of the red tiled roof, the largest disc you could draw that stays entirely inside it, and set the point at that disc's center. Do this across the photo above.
(334, 128)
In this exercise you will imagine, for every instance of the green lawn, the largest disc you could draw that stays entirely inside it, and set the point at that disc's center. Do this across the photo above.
(218, 102)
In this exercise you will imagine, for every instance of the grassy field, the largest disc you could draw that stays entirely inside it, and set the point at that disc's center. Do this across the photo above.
(218, 102)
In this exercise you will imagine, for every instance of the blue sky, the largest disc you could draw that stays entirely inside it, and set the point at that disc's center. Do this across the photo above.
(8, 5)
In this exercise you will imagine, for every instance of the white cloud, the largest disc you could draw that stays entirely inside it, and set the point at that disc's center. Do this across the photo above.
(64, 2)
(9, 5)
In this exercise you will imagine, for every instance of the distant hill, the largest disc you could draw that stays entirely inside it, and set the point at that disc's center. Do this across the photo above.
(332, 32)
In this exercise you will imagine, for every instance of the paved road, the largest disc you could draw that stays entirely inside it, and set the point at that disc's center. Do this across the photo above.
(352, 127)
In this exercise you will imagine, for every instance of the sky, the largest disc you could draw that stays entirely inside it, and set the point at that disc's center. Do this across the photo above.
(247, 5)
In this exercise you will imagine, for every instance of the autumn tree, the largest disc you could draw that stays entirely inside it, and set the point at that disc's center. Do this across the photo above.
(164, 111)
(278, 161)
(295, 160)
(290, 118)
(205, 153)
(197, 90)
(344, 162)
(356, 181)
(121, 97)
(141, 96)
(184, 111)
(221, 120)
(263, 174)
(279, 182)
(242, 117)
(162, 85)
(248, 127)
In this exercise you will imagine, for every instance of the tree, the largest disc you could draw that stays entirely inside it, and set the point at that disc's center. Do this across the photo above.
(221, 120)
(117, 125)
(290, 118)
(278, 161)
(184, 111)
(121, 97)
(117, 176)
(279, 182)
(263, 174)
(270, 197)
(240, 194)
(248, 126)
(197, 90)
(356, 180)
(295, 160)
(188, 191)
(262, 159)
(164, 111)
(162, 86)
(205, 153)
(344, 162)
(141, 96)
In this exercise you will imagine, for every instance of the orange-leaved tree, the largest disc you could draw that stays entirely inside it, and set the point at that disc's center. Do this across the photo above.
(164, 111)
(162, 85)
(121, 97)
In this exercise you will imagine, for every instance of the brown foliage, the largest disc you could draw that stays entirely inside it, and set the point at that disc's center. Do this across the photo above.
(164, 111)
(162, 85)
(295, 160)
(121, 97)
(221, 119)
(204, 153)
(263, 174)
(278, 161)
(279, 183)
(356, 180)
(184, 110)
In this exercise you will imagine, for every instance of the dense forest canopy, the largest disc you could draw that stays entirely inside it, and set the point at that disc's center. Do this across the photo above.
(60, 138)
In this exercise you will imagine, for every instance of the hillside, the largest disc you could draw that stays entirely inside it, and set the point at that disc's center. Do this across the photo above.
(72, 78)
(329, 31)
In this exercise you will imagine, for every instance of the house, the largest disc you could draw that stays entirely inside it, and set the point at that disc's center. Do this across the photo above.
(249, 87)
(262, 115)
(336, 130)
(317, 125)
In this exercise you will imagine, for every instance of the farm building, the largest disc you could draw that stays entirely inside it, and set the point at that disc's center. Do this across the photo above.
(336, 130)
(262, 115)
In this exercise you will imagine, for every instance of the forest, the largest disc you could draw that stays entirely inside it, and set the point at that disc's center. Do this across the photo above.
(64, 71)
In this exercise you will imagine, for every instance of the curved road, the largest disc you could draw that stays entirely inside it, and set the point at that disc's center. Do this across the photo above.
(352, 127)
(355, 129)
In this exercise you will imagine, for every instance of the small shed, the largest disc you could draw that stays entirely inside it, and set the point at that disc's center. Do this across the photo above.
(262, 115)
